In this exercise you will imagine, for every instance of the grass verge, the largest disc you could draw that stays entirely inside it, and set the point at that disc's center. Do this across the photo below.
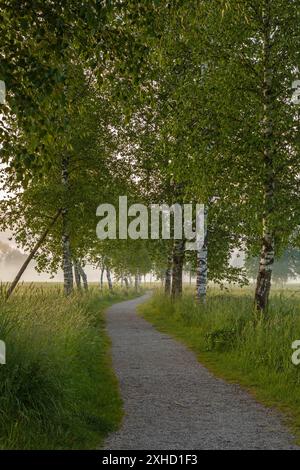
(238, 347)
(57, 388)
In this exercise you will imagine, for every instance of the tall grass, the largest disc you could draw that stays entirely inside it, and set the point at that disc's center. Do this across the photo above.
(57, 389)
(236, 343)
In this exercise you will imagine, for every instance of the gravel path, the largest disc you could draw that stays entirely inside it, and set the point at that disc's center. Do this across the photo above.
(173, 402)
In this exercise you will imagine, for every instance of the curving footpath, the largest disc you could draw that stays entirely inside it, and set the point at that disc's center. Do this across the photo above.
(173, 402)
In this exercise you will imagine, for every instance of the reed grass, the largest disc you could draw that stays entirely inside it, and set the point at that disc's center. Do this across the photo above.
(57, 388)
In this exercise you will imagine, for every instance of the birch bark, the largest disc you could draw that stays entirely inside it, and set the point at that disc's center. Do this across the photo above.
(263, 283)
(66, 248)
(108, 275)
(168, 275)
(201, 283)
(101, 277)
(136, 282)
(177, 268)
(83, 276)
(77, 275)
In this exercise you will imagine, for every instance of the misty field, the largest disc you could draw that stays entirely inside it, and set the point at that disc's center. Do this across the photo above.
(237, 343)
(57, 387)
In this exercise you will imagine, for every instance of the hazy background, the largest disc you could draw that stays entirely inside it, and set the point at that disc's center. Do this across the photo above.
(11, 259)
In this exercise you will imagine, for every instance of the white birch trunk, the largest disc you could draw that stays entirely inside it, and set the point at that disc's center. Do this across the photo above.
(177, 268)
(263, 284)
(201, 283)
(83, 276)
(136, 281)
(67, 258)
(77, 275)
(101, 277)
(66, 248)
(108, 275)
(168, 275)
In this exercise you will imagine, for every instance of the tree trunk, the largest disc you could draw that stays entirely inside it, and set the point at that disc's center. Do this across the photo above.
(83, 276)
(136, 282)
(101, 278)
(126, 282)
(108, 275)
(77, 275)
(168, 275)
(263, 283)
(31, 255)
(178, 259)
(201, 283)
(66, 258)
(66, 248)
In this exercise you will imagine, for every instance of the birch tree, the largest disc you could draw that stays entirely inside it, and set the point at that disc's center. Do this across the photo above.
(240, 126)
(260, 34)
